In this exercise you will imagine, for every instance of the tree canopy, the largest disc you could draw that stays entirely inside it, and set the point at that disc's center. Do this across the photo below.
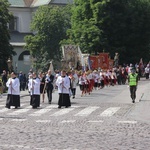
(6, 50)
(49, 24)
(112, 26)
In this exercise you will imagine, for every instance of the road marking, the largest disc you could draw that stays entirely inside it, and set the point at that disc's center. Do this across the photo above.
(1, 119)
(4, 110)
(56, 106)
(41, 111)
(62, 112)
(20, 111)
(43, 121)
(18, 146)
(68, 121)
(109, 112)
(87, 111)
(95, 121)
(129, 122)
(19, 119)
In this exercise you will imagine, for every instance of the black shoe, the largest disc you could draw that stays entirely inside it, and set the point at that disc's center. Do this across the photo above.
(7, 107)
(59, 106)
(133, 100)
(66, 107)
(73, 97)
(49, 102)
(34, 107)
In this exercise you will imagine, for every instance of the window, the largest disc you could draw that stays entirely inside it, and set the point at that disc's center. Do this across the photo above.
(13, 24)
(23, 55)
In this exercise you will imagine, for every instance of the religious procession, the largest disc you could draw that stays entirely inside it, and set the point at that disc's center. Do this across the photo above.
(94, 73)
(41, 85)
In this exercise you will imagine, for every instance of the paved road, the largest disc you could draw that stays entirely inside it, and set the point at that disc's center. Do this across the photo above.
(104, 120)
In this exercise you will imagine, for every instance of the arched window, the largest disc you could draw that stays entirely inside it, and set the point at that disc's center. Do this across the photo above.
(21, 56)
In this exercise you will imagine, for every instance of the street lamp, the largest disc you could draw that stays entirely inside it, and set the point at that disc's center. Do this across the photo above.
(62, 63)
(9, 63)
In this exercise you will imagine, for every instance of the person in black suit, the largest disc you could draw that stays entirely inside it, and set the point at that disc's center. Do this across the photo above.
(49, 85)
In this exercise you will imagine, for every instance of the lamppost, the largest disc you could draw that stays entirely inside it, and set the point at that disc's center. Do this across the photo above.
(16, 67)
(62, 64)
(9, 63)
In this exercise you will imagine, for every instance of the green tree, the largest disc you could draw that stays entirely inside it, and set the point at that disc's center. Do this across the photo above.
(6, 50)
(114, 26)
(126, 29)
(49, 24)
(84, 31)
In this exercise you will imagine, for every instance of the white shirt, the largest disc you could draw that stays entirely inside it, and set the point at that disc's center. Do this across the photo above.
(75, 81)
(146, 70)
(14, 88)
(34, 86)
(63, 84)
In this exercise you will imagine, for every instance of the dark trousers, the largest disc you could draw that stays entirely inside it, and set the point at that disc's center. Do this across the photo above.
(49, 95)
(73, 90)
(147, 75)
(133, 92)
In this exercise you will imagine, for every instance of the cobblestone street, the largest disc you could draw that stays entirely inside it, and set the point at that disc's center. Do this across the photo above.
(104, 120)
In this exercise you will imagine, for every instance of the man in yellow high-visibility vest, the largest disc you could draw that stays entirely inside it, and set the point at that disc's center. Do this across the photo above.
(133, 82)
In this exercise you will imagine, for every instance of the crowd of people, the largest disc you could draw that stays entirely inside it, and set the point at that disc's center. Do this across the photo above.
(44, 83)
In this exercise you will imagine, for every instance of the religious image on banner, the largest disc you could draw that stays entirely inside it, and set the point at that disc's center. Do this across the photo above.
(104, 63)
(70, 55)
(111, 62)
(94, 64)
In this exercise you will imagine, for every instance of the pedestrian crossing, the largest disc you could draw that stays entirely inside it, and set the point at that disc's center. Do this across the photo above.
(53, 111)
(110, 111)
(87, 111)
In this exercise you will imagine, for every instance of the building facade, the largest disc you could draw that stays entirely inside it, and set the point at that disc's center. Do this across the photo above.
(22, 11)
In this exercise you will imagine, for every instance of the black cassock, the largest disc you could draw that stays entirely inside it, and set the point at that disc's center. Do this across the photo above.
(34, 88)
(13, 100)
(13, 97)
(35, 101)
(64, 100)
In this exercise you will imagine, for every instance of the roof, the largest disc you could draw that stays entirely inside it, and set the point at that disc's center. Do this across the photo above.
(17, 3)
(36, 3)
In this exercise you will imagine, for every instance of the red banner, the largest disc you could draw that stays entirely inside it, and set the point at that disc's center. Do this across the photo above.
(101, 61)
(93, 60)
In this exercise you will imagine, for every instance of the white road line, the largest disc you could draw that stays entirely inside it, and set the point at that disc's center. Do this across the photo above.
(56, 106)
(41, 111)
(4, 110)
(87, 111)
(43, 121)
(19, 120)
(68, 121)
(128, 122)
(95, 121)
(2, 105)
(20, 111)
(62, 112)
(1, 119)
(109, 112)
(14, 146)
(22, 105)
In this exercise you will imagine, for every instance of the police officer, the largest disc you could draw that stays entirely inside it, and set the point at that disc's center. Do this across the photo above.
(133, 81)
